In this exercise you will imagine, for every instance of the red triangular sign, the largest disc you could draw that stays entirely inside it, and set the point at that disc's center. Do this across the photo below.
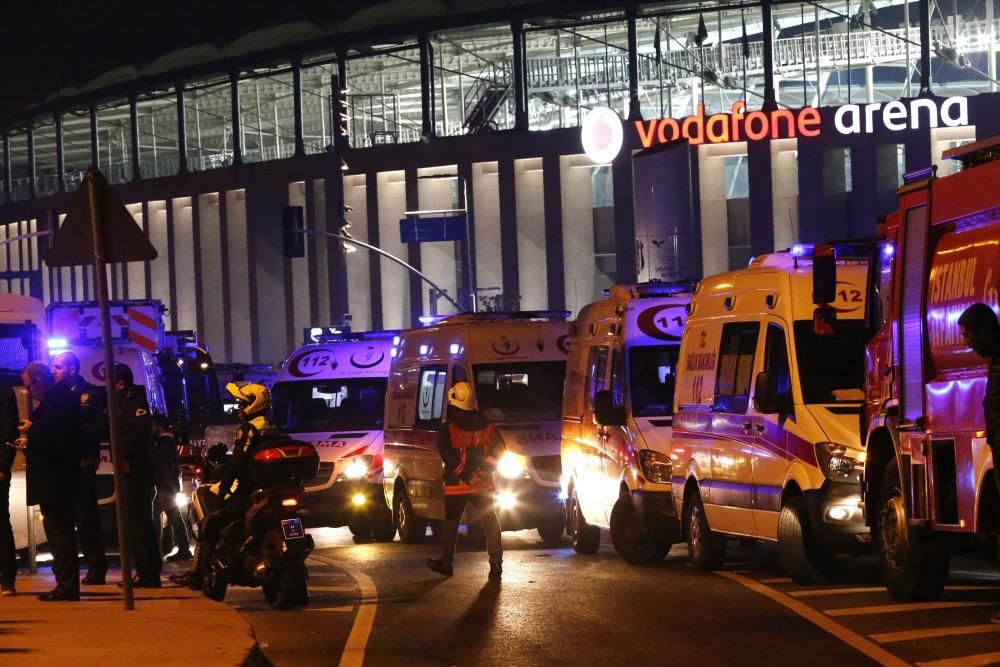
(124, 240)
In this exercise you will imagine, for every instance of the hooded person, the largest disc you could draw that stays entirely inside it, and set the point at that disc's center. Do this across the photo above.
(470, 446)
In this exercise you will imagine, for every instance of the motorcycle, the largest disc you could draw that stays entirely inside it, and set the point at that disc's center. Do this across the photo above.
(269, 547)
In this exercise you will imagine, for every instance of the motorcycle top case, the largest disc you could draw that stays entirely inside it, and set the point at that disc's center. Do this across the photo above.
(280, 461)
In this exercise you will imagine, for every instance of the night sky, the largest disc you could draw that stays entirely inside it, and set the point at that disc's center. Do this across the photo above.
(49, 44)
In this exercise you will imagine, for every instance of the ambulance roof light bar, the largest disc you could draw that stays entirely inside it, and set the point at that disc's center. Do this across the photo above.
(352, 336)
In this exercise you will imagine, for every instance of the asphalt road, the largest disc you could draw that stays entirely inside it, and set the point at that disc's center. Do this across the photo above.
(377, 604)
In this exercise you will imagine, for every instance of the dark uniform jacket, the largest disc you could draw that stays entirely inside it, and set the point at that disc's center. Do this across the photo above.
(93, 417)
(991, 402)
(8, 430)
(465, 441)
(166, 474)
(136, 424)
(52, 456)
(237, 467)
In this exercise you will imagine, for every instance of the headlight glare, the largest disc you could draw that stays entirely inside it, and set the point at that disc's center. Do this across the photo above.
(511, 465)
(358, 467)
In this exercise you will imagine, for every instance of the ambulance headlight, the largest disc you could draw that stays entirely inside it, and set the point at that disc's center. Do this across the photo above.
(358, 467)
(839, 462)
(511, 465)
(656, 467)
(182, 500)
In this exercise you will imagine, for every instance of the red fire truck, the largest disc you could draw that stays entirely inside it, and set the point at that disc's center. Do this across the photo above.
(928, 479)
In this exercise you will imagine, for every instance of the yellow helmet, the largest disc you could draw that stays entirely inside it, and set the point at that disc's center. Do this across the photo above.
(461, 396)
(254, 399)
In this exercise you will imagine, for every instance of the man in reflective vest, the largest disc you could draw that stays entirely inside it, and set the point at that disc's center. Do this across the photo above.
(470, 447)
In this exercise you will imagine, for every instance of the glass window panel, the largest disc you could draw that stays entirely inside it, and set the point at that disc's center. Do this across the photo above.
(473, 84)
(76, 147)
(267, 110)
(46, 173)
(207, 114)
(316, 105)
(158, 153)
(384, 98)
(114, 141)
(20, 185)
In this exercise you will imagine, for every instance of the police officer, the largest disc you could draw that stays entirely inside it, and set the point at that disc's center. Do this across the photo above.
(981, 331)
(136, 425)
(49, 439)
(93, 431)
(470, 446)
(8, 436)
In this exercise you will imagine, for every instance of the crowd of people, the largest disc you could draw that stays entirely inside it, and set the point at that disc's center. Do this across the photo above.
(61, 439)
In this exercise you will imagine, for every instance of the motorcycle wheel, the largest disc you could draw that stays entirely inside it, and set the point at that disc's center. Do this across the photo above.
(285, 584)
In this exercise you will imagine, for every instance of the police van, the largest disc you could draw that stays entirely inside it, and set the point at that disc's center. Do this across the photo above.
(766, 433)
(331, 393)
(617, 420)
(516, 365)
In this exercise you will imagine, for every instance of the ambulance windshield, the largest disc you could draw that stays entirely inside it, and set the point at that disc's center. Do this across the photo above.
(520, 391)
(312, 406)
(831, 368)
(652, 372)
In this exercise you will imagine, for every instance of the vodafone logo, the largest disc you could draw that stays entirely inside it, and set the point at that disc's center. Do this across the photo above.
(602, 135)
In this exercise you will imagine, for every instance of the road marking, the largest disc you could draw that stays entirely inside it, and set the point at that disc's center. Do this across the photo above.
(836, 591)
(965, 661)
(928, 633)
(332, 589)
(357, 641)
(349, 607)
(891, 608)
(849, 637)
(777, 580)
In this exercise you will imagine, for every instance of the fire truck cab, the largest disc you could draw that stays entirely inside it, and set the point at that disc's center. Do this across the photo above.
(617, 420)
(928, 479)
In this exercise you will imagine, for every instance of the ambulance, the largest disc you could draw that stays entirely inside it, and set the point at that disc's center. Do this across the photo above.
(331, 393)
(516, 364)
(617, 420)
(766, 435)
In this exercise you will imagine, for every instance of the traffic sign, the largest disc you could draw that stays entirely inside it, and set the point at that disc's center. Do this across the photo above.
(124, 240)
(438, 228)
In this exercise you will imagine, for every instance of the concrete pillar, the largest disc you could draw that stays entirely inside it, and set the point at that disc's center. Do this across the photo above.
(621, 170)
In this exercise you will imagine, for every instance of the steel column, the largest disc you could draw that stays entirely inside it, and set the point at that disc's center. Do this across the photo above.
(520, 76)
(634, 111)
(95, 156)
(234, 95)
(182, 152)
(340, 140)
(60, 152)
(767, 19)
(925, 47)
(300, 146)
(426, 88)
(133, 115)
(8, 176)
(31, 160)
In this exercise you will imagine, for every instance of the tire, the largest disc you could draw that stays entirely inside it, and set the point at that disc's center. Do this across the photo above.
(586, 538)
(633, 545)
(804, 560)
(291, 583)
(411, 528)
(360, 528)
(551, 531)
(706, 549)
(214, 584)
(383, 529)
(910, 571)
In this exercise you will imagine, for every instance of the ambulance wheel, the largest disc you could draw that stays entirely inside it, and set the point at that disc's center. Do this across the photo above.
(361, 529)
(412, 529)
(909, 571)
(706, 549)
(633, 545)
(586, 538)
(803, 560)
(551, 531)
(383, 529)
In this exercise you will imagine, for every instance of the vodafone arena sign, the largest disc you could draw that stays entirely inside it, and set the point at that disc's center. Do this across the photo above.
(603, 133)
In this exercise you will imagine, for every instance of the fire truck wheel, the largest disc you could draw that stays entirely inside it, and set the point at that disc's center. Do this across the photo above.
(412, 529)
(803, 560)
(633, 544)
(910, 571)
(706, 549)
(586, 538)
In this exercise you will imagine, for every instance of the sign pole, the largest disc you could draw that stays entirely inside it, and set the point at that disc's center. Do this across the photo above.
(101, 282)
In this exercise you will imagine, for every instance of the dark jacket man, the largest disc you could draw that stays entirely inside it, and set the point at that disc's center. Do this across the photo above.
(8, 434)
(53, 473)
(93, 431)
(470, 446)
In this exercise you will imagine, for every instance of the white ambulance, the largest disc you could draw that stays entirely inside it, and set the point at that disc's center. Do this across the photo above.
(332, 394)
(766, 442)
(516, 364)
(617, 417)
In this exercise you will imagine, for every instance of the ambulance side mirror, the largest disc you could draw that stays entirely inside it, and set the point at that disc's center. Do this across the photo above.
(765, 397)
(824, 275)
(606, 412)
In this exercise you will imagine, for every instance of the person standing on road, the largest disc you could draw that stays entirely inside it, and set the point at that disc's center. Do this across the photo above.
(167, 478)
(49, 439)
(981, 331)
(135, 420)
(8, 435)
(470, 446)
(93, 431)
